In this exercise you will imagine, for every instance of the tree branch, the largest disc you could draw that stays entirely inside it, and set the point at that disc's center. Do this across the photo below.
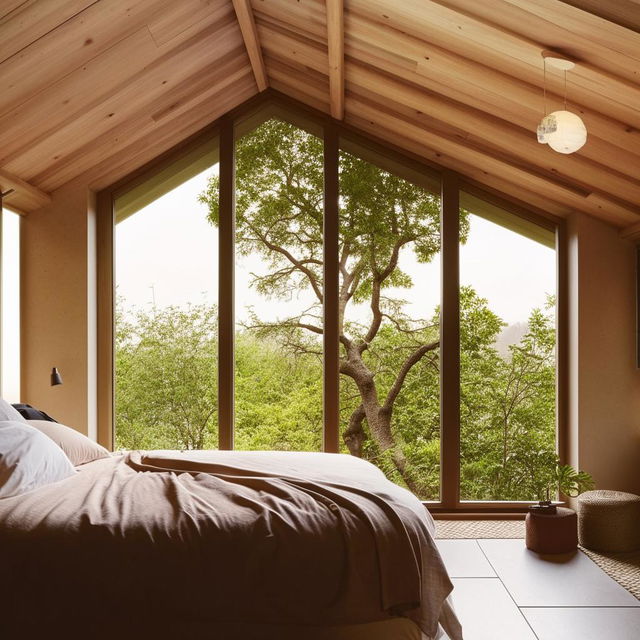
(378, 278)
(408, 364)
(354, 433)
(299, 264)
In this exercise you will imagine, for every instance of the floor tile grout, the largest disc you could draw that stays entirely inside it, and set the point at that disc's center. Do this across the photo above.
(533, 616)
(535, 635)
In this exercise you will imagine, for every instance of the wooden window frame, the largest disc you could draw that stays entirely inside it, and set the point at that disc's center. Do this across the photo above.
(246, 117)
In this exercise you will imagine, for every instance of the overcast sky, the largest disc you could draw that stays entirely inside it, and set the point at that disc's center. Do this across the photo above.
(10, 306)
(169, 250)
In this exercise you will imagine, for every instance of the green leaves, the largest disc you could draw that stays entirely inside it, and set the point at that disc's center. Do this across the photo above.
(166, 378)
(571, 482)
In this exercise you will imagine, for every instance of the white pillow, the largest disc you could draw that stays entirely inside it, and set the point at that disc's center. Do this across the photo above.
(7, 412)
(29, 459)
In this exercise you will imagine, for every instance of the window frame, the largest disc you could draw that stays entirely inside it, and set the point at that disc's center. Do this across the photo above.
(225, 130)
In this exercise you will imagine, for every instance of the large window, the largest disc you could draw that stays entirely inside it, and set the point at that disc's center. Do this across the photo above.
(278, 289)
(10, 305)
(308, 245)
(507, 355)
(166, 321)
(389, 294)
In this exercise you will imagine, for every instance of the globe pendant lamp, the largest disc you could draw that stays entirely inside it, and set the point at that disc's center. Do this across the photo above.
(562, 130)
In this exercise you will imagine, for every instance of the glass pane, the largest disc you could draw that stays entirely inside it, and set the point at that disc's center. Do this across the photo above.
(279, 224)
(10, 252)
(166, 257)
(507, 351)
(390, 295)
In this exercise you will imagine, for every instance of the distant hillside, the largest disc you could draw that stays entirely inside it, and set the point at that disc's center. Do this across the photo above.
(511, 334)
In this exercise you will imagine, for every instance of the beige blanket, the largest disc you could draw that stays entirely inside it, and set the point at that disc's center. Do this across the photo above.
(158, 540)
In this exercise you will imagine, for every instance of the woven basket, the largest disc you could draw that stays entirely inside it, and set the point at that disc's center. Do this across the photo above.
(609, 520)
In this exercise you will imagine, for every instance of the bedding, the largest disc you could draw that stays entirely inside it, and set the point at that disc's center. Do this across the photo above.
(7, 412)
(31, 413)
(28, 460)
(78, 448)
(222, 544)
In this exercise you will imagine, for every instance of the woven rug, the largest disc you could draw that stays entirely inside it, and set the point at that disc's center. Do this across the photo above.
(479, 529)
(624, 568)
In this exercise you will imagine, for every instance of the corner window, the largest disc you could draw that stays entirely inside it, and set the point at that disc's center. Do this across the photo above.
(10, 305)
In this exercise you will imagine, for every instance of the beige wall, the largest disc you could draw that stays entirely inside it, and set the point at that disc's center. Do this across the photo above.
(57, 301)
(605, 383)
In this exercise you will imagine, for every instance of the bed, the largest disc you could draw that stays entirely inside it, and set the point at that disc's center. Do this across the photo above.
(225, 545)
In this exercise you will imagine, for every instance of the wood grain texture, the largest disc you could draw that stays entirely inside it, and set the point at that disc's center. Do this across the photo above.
(335, 46)
(93, 88)
(625, 13)
(21, 195)
(244, 13)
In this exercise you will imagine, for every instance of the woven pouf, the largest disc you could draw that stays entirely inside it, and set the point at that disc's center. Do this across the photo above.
(552, 532)
(609, 520)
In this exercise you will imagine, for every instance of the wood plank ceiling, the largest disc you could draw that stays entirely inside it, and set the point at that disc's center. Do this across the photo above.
(92, 89)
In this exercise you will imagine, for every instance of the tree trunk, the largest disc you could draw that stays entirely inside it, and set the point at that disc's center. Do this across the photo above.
(378, 418)
(354, 435)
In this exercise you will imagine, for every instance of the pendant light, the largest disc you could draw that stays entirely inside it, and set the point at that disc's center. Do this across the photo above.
(562, 130)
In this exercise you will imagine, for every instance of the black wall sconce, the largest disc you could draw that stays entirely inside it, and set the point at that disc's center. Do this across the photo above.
(56, 378)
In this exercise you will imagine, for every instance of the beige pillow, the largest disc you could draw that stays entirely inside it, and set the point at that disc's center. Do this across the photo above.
(79, 448)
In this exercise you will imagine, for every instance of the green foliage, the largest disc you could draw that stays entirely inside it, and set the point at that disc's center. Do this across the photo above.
(166, 386)
(571, 482)
(278, 397)
(507, 405)
(166, 382)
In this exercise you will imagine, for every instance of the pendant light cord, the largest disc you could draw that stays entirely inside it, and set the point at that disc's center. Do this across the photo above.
(565, 89)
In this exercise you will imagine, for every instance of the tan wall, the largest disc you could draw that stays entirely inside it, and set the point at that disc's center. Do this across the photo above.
(57, 250)
(605, 383)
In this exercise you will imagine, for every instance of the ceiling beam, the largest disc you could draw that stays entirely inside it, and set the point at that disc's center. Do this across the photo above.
(335, 39)
(631, 232)
(244, 13)
(596, 166)
(23, 192)
(625, 13)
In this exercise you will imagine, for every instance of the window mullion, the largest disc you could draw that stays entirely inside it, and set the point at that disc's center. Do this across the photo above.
(331, 344)
(226, 271)
(450, 342)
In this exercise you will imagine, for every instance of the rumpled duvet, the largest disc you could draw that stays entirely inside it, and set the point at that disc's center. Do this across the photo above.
(155, 542)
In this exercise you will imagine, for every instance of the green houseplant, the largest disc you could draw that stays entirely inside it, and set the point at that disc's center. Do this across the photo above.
(561, 478)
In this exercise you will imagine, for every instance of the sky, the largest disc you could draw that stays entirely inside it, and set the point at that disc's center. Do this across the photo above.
(169, 251)
(10, 306)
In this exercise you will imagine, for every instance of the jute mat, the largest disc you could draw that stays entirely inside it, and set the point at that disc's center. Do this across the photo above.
(479, 529)
(624, 568)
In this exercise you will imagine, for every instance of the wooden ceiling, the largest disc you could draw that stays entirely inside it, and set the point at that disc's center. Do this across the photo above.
(92, 89)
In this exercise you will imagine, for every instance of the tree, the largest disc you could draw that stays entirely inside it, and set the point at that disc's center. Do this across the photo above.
(279, 216)
(507, 404)
(278, 397)
(166, 378)
(166, 385)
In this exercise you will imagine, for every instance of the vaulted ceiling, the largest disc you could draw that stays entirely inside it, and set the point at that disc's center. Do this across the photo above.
(92, 89)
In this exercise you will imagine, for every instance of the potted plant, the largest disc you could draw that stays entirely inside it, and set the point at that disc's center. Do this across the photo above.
(564, 479)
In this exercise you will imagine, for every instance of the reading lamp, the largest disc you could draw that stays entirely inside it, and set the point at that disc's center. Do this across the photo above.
(56, 378)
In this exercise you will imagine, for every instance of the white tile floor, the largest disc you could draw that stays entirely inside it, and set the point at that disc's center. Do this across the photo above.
(503, 591)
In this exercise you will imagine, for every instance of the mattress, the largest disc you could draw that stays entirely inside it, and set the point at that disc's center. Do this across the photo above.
(222, 544)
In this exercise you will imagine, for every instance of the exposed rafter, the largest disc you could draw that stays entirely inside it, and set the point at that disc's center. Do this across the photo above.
(20, 193)
(625, 13)
(247, 24)
(335, 38)
(631, 232)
